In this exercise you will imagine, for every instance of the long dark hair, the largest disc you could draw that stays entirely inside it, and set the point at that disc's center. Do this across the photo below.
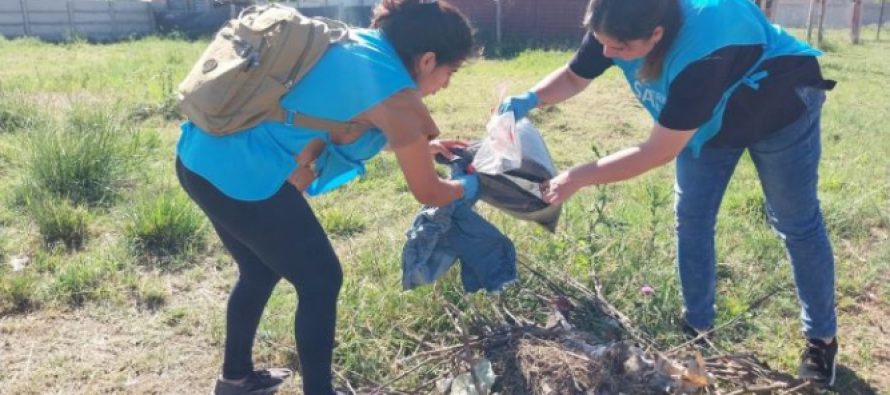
(627, 20)
(415, 27)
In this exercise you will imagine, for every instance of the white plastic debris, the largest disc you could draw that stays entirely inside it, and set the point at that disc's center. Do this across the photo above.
(463, 383)
(19, 262)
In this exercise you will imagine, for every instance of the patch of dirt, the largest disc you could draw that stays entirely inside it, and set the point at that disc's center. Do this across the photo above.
(90, 352)
(868, 326)
(114, 350)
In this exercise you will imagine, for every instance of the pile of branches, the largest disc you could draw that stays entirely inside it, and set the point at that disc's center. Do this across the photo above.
(556, 358)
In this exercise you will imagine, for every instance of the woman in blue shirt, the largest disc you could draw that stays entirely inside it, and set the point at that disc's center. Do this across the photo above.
(251, 184)
(717, 79)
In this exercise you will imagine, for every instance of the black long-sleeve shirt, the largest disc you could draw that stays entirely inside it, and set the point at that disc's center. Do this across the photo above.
(692, 96)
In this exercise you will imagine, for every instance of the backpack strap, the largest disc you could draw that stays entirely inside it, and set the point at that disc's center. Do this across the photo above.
(336, 128)
(306, 172)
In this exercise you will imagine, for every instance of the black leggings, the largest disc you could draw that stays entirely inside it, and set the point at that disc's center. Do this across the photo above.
(270, 239)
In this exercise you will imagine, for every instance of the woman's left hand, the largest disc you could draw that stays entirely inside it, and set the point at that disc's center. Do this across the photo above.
(559, 188)
(444, 147)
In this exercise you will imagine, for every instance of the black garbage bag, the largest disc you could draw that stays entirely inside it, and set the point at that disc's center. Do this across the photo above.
(518, 192)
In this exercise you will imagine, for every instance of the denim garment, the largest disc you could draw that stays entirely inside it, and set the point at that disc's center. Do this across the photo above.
(787, 165)
(442, 235)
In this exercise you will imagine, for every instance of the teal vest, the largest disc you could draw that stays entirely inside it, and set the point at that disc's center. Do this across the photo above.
(709, 25)
(349, 79)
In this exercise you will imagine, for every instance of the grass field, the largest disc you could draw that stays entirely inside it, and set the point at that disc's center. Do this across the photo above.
(112, 282)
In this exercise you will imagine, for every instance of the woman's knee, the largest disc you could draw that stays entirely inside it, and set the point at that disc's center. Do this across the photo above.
(321, 278)
(799, 225)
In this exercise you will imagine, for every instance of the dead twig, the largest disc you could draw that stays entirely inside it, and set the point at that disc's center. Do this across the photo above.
(754, 305)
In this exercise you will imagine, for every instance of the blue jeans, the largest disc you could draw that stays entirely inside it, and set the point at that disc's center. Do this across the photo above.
(787, 164)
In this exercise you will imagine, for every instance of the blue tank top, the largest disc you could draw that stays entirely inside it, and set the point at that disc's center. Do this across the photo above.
(349, 79)
(709, 25)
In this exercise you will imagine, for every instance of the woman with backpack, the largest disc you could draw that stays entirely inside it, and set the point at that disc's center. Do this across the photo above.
(717, 79)
(251, 184)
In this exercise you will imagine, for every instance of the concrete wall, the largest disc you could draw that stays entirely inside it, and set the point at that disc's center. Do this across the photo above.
(198, 17)
(523, 21)
(55, 20)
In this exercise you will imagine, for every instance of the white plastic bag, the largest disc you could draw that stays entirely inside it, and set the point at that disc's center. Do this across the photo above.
(501, 149)
(532, 144)
(517, 190)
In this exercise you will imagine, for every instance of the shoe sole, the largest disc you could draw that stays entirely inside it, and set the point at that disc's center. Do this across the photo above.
(833, 372)
(264, 391)
(830, 383)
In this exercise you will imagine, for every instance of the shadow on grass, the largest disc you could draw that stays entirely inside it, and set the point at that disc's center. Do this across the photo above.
(848, 382)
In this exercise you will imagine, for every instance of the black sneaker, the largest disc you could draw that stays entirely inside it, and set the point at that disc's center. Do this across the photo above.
(818, 362)
(259, 382)
(691, 333)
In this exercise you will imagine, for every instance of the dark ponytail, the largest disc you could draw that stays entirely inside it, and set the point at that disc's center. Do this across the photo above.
(415, 27)
(627, 20)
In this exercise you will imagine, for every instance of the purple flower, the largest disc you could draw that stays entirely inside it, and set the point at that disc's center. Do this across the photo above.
(647, 290)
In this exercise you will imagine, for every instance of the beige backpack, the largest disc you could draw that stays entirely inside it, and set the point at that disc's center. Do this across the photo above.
(253, 61)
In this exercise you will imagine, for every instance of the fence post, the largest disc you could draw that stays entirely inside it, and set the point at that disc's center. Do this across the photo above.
(771, 11)
(498, 11)
(822, 22)
(72, 29)
(880, 20)
(857, 20)
(151, 18)
(810, 16)
(26, 20)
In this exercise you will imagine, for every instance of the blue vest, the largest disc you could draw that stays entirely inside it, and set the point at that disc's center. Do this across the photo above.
(349, 79)
(709, 25)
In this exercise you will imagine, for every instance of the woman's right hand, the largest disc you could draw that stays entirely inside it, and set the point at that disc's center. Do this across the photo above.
(420, 174)
(446, 147)
(560, 188)
(520, 105)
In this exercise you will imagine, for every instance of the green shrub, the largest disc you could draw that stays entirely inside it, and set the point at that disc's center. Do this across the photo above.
(18, 292)
(61, 222)
(78, 282)
(86, 161)
(165, 225)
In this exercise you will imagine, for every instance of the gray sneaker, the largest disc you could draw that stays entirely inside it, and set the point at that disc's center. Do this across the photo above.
(259, 382)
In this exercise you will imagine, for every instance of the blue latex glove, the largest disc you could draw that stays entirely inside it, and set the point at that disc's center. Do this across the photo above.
(520, 105)
(470, 183)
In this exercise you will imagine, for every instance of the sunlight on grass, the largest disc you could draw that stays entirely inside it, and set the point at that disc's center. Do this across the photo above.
(87, 189)
(59, 221)
(165, 224)
(87, 160)
(342, 222)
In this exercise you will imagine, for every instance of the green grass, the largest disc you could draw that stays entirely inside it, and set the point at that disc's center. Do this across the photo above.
(18, 292)
(87, 159)
(342, 222)
(60, 222)
(16, 113)
(106, 163)
(164, 225)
